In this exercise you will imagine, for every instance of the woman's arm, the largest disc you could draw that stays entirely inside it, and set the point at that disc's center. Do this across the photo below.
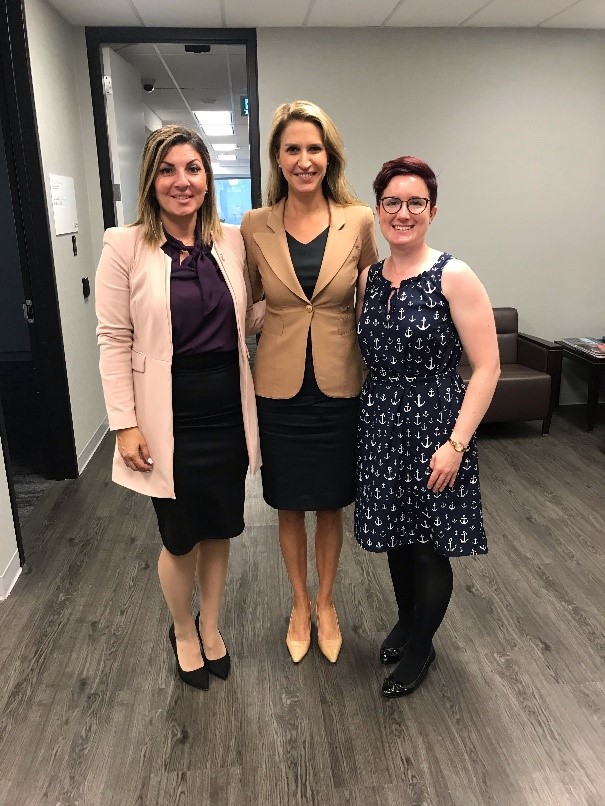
(369, 249)
(255, 306)
(473, 317)
(367, 255)
(360, 293)
(115, 337)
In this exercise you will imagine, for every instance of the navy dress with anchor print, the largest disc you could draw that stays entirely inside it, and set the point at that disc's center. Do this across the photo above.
(409, 405)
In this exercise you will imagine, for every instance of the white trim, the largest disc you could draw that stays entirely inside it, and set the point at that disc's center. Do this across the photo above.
(10, 576)
(92, 444)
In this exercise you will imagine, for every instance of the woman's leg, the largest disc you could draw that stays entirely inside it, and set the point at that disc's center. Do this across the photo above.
(177, 575)
(293, 543)
(401, 567)
(433, 582)
(212, 561)
(328, 544)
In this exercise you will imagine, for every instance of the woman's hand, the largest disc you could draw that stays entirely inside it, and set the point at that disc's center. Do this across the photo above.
(445, 463)
(133, 449)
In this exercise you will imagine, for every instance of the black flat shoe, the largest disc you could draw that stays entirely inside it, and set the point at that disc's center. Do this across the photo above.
(389, 651)
(391, 654)
(219, 667)
(393, 688)
(198, 678)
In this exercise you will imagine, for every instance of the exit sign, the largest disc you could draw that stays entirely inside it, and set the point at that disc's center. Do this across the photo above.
(244, 104)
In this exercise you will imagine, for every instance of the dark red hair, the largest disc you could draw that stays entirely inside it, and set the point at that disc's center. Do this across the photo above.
(406, 166)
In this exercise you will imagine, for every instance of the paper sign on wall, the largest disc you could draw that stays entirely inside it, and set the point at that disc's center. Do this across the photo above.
(63, 197)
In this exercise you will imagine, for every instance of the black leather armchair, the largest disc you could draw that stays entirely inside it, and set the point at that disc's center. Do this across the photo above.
(530, 379)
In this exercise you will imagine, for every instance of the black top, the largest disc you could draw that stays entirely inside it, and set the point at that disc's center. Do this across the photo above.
(201, 307)
(307, 259)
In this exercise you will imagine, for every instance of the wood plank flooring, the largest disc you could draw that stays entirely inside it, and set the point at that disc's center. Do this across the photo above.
(511, 714)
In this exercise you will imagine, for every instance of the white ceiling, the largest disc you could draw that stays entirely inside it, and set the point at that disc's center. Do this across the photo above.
(331, 13)
(187, 81)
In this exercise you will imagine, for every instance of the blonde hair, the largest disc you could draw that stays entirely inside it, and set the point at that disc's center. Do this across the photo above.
(158, 144)
(335, 185)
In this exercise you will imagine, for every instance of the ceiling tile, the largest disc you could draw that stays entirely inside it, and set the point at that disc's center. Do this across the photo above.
(182, 14)
(516, 13)
(355, 13)
(265, 13)
(585, 14)
(437, 14)
(91, 12)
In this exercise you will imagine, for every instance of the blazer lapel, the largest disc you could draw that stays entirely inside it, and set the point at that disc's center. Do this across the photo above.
(160, 268)
(274, 246)
(341, 240)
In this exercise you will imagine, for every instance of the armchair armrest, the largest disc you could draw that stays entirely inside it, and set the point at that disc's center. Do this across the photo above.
(543, 356)
(535, 353)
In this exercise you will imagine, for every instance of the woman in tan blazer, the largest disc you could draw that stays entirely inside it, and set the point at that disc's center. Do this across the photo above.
(305, 252)
(172, 306)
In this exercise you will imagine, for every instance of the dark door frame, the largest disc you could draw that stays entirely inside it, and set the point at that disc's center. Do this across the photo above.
(26, 179)
(98, 36)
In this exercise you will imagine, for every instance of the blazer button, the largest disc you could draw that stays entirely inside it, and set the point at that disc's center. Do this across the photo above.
(309, 308)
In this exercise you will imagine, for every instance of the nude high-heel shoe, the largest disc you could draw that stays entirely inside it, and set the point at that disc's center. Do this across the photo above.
(297, 649)
(330, 647)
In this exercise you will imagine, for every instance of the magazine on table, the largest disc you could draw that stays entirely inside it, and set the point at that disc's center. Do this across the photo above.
(587, 344)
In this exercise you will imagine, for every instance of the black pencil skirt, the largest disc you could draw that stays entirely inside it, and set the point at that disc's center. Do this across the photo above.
(210, 454)
(308, 453)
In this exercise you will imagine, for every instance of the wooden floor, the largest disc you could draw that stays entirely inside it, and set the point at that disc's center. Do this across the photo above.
(512, 712)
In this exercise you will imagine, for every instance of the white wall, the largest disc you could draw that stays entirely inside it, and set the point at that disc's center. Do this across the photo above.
(9, 557)
(126, 116)
(67, 142)
(511, 121)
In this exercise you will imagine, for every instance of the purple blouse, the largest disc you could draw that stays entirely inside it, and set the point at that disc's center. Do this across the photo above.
(203, 316)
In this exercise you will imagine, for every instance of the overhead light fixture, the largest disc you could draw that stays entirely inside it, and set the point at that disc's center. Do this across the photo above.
(215, 123)
(218, 131)
(226, 157)
(213, 117)
(224, 146)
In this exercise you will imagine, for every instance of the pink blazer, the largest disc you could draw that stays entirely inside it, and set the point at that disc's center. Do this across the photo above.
(134, 333)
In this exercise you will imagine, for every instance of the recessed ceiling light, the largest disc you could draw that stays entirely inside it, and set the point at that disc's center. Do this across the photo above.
(213, 117)
(218, 131)
(224, 146)
(225, 157)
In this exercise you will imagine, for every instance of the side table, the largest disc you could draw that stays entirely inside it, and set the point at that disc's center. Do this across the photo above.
(596, 367)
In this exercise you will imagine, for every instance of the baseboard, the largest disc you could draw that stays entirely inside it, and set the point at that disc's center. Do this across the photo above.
(92, 444)
(10, 576)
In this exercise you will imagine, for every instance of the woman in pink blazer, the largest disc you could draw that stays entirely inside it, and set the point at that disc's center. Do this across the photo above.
(173, 312)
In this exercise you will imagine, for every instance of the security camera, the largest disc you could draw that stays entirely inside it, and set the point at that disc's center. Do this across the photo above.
(149, 86)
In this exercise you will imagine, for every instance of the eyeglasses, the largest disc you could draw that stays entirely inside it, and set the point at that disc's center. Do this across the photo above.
(393, 204)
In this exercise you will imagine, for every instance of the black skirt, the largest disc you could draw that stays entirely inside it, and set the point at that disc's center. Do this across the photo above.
(308, 453)
(210, 454)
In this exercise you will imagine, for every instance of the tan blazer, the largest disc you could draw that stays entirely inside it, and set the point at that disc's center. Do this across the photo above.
(330, 313)
(135, 338)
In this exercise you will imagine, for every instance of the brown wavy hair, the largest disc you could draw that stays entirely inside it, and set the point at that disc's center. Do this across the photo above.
(158, 144)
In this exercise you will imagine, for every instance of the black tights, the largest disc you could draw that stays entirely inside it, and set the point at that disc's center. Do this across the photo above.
(422, 581)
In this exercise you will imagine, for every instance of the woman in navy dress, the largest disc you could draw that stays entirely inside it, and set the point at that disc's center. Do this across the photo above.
(418, 494)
